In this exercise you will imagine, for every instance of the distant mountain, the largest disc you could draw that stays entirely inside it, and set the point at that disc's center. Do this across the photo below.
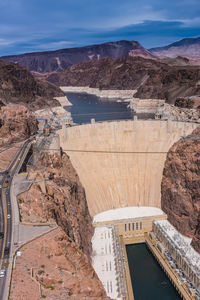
(151, 78)
(54, 61)
(19, 86)
(189, 47)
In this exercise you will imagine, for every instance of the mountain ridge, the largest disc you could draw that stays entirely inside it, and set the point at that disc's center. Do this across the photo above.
(187, 47)
(58, 60)
(151, 78)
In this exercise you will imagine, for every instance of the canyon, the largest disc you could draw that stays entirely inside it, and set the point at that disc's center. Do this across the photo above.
(94, 170)
(60, 260)
(151, 79)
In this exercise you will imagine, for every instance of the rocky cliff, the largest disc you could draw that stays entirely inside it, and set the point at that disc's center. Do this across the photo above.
(58, 197)
(151, 78)
(63, 200)
(180, 190)
(18, 85)
(55, 61)
(16, 124)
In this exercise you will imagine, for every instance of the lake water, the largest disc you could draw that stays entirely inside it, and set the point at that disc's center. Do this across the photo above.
(86, 107)
(148, 279)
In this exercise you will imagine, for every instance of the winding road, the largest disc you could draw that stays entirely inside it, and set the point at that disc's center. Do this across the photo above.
(6, 219)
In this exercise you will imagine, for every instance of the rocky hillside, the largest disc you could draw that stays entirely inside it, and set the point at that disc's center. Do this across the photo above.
(65, 262)
(189, 47)
(181, 187)
(61, 271)
(151, 78)
(63, 200)
(188, 102)
(18, 85)
(55, 61)
(16, 124)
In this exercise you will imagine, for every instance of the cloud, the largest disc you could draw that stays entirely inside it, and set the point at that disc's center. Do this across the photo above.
(36, 25)
(4, 42)
(191, 22)
(51, 45)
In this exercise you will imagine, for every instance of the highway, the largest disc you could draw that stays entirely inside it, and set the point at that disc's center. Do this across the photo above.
(6, 219)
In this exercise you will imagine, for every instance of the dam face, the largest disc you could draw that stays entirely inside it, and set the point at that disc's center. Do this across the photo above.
(120, 163)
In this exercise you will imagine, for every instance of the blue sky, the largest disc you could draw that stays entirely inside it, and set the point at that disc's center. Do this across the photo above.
(40, 25)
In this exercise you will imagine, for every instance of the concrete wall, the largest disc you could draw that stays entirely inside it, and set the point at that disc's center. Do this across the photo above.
(121, 163)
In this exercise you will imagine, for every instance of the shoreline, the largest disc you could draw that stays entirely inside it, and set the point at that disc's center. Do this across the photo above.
(64, 101)
(112, 94)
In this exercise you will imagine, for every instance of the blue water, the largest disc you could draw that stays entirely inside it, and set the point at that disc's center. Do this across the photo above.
(86, 107)
(148, 279)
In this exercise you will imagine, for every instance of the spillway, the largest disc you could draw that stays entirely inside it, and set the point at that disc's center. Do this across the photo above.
(120, 163)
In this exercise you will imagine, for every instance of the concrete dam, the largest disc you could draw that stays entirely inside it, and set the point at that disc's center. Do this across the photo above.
(120, 163)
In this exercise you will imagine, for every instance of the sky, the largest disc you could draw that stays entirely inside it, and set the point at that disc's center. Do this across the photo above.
(41, 25)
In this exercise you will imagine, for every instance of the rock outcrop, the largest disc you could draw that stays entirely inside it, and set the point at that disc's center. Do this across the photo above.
(175, 113)
(188, 102)
(65, 254)
(16, 124)
(56, 61)
(180, 190)
(63, 200)
(18, 86)
(151, 79)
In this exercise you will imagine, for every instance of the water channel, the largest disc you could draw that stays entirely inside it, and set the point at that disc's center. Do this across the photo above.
(149, 281)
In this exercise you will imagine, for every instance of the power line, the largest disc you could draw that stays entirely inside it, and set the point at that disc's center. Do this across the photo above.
(106, 151)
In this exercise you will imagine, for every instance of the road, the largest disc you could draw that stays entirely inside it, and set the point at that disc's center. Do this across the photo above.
(6, 218)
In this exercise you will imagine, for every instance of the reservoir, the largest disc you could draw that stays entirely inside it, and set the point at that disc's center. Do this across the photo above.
(85, 107)
(148, 279)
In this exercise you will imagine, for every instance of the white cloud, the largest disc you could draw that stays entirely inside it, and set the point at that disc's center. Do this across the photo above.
(191, 22)
(5, 42)
(52, 45)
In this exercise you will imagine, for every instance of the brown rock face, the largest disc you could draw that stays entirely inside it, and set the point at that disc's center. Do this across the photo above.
(60, 259)
(17, 85)
(64, 200)
(151, 78)
(180, 190)
(188, 102)
(17, 124)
